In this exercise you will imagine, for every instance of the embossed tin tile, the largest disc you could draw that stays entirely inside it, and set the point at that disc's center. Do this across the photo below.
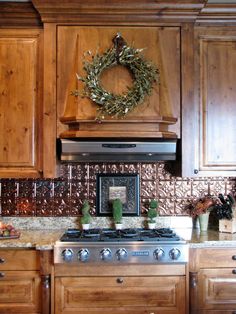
(200, 188)
(166, 188)
(183, 188)
(217, 186)
(148, 189)
(149, 171)
(80, 171)
(94, 169)
(64, 196)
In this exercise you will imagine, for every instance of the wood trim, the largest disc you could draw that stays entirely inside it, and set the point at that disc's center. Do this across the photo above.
(126, 270)
(49, 105)
(19, 15)
(217, 13)
(99, 12)
(188, 110)
(45, 272)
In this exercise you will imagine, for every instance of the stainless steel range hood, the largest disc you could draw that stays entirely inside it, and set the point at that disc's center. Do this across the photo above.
(116, 150)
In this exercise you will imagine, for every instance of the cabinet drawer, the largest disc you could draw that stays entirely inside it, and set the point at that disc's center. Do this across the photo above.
(217, 289)
(19, 260)
(220, 257)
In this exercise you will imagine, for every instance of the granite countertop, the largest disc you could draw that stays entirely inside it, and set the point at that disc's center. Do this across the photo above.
(211, 238)
(44, 239)
(39, 239)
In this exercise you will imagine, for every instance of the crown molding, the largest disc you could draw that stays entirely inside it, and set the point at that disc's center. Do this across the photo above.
(19, 14)
(119, 11)
(217, 13)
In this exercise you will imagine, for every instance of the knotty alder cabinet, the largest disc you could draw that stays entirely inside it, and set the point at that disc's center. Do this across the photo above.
(21, 107)
(209, 122)
(20, 282)
(123, 289)
(213, 280)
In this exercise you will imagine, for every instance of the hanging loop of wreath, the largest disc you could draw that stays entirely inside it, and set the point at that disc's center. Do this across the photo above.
(110, 104)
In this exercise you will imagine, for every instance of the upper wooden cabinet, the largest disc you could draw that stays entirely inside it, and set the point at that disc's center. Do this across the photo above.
(210, 120)
(161, 46)
(21, 124)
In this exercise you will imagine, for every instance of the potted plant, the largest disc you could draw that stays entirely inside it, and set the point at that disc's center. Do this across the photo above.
(86, 217)
(201, 210)
(152, 214)
(117, 211)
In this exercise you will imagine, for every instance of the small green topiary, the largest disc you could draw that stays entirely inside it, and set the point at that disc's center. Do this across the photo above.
(152, 211)
(117, 210)
(86, 218)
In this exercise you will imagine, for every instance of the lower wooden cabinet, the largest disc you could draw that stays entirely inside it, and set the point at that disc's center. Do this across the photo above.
(20, 292)
(128, 294)
(213, 281)
(25, 281)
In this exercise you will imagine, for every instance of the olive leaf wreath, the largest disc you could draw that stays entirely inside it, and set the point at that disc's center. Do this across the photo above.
(110, 104)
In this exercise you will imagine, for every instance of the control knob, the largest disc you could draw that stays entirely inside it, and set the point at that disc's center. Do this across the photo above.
(121, 254)
(83, 255)
(174, 253)
(105, 254)
(67, 255)
(159, 254)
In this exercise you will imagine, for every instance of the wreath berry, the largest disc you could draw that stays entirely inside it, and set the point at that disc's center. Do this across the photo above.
(110, 104)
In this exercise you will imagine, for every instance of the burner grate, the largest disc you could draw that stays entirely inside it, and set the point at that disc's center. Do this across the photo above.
(112, 235)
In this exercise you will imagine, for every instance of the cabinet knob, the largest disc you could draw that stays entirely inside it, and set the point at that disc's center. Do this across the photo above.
(234, 271)
(2, 275)
(119, 280)
(195, 171)
(2, 260)
(234, 257)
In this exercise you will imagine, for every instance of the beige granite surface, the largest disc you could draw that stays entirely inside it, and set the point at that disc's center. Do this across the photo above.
(42, 233)
(39, 239)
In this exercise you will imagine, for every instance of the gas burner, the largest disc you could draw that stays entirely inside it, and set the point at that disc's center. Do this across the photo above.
(91, 233)
(129, 233)
(70, 233)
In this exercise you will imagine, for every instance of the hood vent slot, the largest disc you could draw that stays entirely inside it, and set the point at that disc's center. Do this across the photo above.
(107, 150)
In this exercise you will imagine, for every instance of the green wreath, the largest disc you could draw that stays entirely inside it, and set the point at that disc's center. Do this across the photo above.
(110, 104)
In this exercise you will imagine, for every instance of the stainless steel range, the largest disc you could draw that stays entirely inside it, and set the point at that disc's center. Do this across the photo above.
(131, 246)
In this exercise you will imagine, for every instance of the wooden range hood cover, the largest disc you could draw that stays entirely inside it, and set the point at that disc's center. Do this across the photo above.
(134, 18)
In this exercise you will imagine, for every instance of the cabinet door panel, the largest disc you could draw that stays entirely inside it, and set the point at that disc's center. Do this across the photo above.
(20, 116)
(133, 295)
(20, 292)
(213, 144)
(217, 289)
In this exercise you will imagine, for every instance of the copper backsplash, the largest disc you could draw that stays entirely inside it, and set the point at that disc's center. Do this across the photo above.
(64, 196)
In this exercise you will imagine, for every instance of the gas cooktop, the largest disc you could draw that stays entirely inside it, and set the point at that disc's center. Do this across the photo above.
(112, 246)
(112, 235)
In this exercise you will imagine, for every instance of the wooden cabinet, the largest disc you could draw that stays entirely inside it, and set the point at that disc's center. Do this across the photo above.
(213, 280)
(20, 282)
(123, 289)
(21, 107)
(209, 122)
